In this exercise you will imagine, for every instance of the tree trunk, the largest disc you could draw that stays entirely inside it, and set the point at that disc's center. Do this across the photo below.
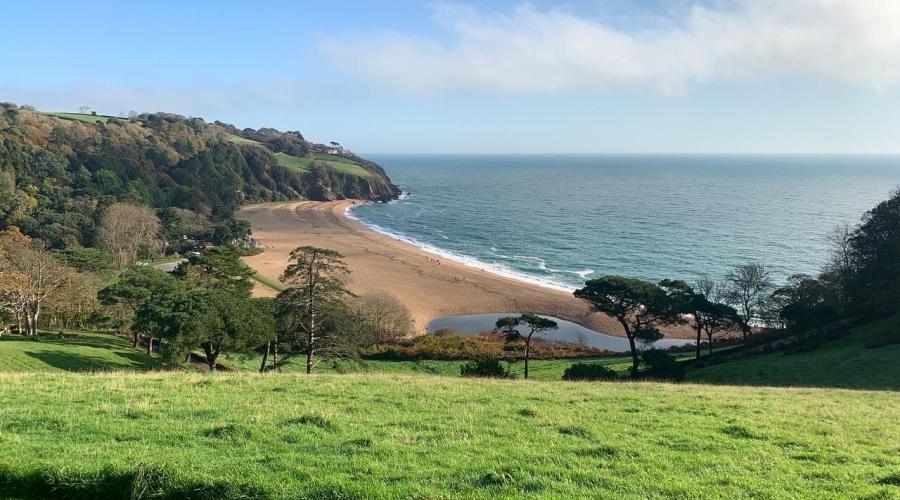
(211, 356)
(699, 330)
(37, 314)
(134, 339)
(634, 356)
(275, 355)
(527, 353)
(309, 354)
(710, 345)
(149, 345)
(635, 362)
(262, 366)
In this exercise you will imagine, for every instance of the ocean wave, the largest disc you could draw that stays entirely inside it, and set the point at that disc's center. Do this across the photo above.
(584, 273)
(466, 260)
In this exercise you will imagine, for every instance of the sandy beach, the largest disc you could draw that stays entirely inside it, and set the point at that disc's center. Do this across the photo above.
(430, 285)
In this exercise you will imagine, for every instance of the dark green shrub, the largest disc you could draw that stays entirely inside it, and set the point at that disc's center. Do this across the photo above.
(589, 371)
(662, 365)
(485, 367)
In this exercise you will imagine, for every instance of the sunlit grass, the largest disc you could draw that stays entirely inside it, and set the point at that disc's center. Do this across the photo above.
(370, 436)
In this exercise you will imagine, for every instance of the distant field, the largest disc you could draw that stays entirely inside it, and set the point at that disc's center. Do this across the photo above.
(299, 165)
(181, 435)
(82, 352)
(332, 162)
(241, 140)
(81, 117)
(845, 362)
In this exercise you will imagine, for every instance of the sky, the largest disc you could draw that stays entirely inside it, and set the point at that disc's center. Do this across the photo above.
(583, 76)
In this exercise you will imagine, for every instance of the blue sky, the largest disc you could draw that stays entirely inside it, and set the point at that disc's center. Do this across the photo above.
(685, 76)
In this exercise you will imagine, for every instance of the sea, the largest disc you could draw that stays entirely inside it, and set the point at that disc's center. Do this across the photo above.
(558, 220)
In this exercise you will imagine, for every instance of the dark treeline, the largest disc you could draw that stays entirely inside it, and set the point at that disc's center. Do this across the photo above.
(58, 175)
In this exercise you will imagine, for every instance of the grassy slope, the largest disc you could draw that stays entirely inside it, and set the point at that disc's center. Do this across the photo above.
(87, 351)
(299, 165)
(355, 436)
(844, 362)
(333, 163)
(241, 140)
(81, 117)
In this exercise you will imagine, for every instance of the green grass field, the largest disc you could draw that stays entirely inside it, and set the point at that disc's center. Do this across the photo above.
(241, 140)
(83, 117)
(299, 165)
(81, 352)
(332, 162)
(181, 435)
(845, 362)
(266, 282)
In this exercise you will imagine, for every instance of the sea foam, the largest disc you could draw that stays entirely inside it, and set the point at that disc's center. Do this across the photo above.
(497, 269)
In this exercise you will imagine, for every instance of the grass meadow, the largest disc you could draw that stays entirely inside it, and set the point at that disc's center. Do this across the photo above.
(79, 352)
(184, 435)
(82, 117)
(117, 427)
(844, 362)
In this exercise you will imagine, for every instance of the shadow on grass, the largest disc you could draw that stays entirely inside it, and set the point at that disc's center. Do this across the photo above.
(142, 481)
(75, 362)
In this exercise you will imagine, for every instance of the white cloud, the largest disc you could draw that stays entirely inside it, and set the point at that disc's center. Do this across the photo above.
(532, 50)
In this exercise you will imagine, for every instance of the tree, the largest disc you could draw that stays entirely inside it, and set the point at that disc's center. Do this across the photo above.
(76, 303)
(806, 304)
(135, 288)
(129, 232)
(717, 318)
(315, 280)
(873, 288)
(12, 296)
(747, 286)
(638, 305)
(685, 301)
(37, 270)
(216, 321)
(535, 325)
(384, 318)
(218, 267)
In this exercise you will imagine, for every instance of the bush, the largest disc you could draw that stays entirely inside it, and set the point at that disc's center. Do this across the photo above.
(434, 347)
(662, 365)
(445, 332)
(485, 367)
(589, 371)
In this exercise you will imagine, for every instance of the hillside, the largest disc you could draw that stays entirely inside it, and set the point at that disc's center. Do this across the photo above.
(58, 170)
(177, 435)
(845, 362)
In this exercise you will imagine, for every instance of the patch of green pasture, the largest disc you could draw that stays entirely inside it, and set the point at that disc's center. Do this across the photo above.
(299, 165)
(76, 352)
(240, 140)
(386, 436)
(844, 362)
(348, 168)
(82, 117)
(267, 282)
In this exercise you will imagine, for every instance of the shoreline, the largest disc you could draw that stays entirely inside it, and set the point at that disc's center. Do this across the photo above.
(461, 259)
(430, 285)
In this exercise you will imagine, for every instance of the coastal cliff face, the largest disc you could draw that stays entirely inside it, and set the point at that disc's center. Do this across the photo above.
(59, 170)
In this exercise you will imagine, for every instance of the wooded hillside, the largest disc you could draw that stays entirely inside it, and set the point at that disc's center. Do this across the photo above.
(59, 171)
